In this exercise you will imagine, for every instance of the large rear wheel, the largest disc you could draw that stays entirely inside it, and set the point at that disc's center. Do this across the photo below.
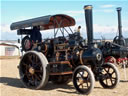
(33, 70)
(83, 79)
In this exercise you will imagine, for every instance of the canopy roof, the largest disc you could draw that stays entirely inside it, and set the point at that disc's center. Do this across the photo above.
(45, 22)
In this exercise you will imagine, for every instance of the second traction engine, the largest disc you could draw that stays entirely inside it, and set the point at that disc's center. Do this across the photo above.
(116, 52)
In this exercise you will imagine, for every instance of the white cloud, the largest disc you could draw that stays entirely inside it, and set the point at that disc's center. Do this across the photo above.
(6, 33)
(107, 6)
(74, 12)
(79, 12)
(108, 10)
(105, 29)
(109, 32)
(5, 28)
(125, 29)
(104, 10)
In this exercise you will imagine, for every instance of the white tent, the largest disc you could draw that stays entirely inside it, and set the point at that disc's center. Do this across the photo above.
(8, 49)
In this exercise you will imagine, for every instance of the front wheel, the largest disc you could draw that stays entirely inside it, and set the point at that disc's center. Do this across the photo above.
(110, 76)
(83, 79)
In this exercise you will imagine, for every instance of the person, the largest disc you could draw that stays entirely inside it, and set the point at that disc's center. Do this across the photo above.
(77, 33)
(79, 37)
(36, 38)
(79, 27)
(35, 35)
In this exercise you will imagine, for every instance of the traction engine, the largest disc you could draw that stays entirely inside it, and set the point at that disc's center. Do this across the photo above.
(62, 58)
(116, 52)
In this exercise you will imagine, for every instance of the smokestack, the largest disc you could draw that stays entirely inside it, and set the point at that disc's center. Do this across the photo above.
(89, 22)
(119, 24)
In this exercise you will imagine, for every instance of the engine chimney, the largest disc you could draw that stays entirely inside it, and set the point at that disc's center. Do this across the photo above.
(89, 22)
(119, 24)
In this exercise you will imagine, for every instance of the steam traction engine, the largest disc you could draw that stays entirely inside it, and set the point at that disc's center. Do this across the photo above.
(116, 52)
(64, 57)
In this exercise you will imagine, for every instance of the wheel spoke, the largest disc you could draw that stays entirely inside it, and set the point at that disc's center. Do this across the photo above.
(80, 84)
(87, 83)
(33, 60)
(80, 74)
(36, 59)
(105, 70)
(108, 69)
(87, 80)
(113, 72)
(106, 82)
(38, 78)
(33, 77)
(38, 71)
(30, 58)
(77, 79)
(111, 81)
(38, 65)
(114, 78)
(27, 76)
(25, 65)
(26, 72)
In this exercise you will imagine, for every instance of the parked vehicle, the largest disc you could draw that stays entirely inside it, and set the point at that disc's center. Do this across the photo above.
(62, 58)
(117, 51)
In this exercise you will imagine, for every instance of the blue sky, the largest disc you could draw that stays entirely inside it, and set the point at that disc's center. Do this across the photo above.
(104, 15)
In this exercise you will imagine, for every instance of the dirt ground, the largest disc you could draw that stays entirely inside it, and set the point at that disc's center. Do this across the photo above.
(10, 84)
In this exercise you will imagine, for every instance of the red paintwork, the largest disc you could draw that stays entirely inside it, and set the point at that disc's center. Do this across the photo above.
(115, 60)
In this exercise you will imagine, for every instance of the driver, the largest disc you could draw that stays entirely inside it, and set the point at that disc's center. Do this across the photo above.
(35, 35)
(36, 38)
